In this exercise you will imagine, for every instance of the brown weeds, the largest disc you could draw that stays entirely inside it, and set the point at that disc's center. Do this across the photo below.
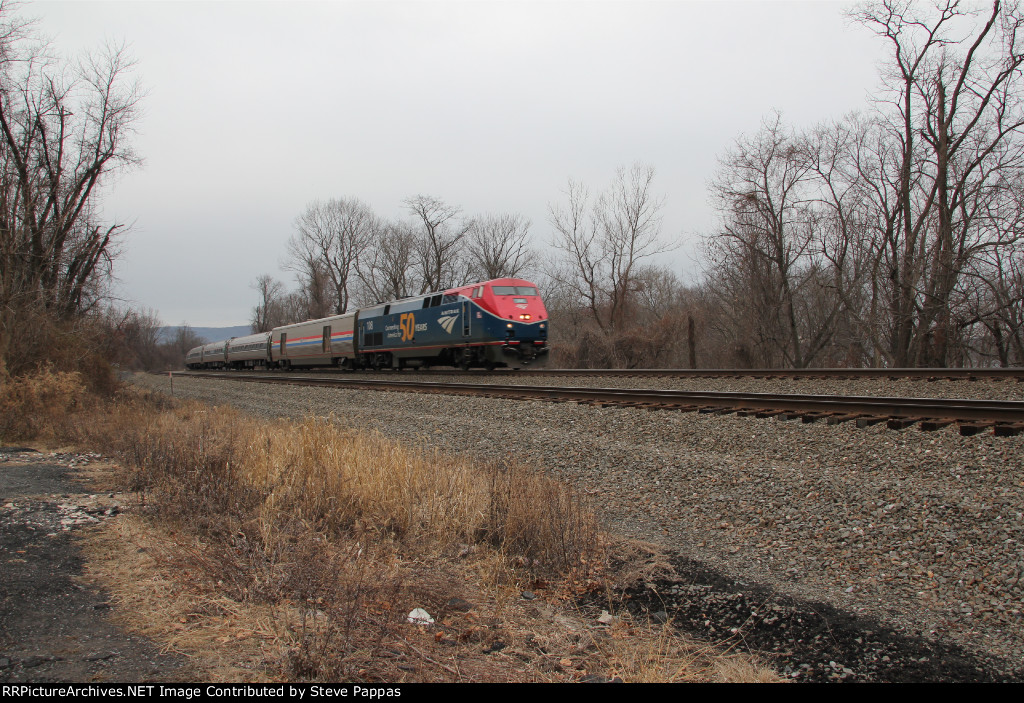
(327, 524)
(219, 470)
(37, 405)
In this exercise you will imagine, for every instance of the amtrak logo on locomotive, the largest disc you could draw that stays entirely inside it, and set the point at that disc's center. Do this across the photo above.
(448, 321)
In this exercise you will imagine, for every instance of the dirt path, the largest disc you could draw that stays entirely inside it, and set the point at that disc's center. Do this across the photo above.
(55, 626)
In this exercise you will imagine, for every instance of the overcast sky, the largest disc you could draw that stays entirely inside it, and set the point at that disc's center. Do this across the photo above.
(256, 108)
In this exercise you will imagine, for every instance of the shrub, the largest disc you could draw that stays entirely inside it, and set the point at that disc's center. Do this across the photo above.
(37, 405)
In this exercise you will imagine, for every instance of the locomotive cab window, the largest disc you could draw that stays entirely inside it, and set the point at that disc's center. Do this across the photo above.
(514, 290)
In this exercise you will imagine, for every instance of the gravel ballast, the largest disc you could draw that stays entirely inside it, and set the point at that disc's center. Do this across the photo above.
(922, 530)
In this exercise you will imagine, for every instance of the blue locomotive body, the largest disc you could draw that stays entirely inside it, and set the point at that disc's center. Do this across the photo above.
(447, 329)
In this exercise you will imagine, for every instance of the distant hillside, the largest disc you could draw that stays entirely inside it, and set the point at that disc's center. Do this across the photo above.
(209, 334)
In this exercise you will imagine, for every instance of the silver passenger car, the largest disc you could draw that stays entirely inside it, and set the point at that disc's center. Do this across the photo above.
(324, 342)
(215, 355)
(194, 358)
(250, 352)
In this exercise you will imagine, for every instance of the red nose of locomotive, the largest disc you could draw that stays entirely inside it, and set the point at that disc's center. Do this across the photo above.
(519, 303)
(517, 300)
(519, 322)
(507, 298)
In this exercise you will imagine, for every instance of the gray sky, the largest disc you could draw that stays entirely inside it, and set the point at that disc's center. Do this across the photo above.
(256, 108)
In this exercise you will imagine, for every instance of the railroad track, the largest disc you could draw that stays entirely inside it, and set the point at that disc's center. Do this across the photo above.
(1005, 417)
(954, 374)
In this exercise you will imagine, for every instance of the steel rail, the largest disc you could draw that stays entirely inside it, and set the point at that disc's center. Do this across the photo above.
(955, 409)
(1016, 373)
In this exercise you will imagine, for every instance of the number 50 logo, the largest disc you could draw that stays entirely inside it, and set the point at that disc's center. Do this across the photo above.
(408, 324)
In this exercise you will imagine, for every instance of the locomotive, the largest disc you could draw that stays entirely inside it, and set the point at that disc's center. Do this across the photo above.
(501, 322)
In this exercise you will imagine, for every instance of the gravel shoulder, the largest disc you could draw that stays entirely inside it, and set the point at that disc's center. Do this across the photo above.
(920, 533)
(55, 626)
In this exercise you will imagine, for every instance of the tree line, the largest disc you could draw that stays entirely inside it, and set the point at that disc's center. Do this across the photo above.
(888, 237)
(891, 237)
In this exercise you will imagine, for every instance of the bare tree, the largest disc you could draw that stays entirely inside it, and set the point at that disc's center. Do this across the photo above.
(330, 238)
(954, 97)
(387, 270)
(318, 291)
(844, 207)
(769, 237)
(993, 286)
(63, 129)
(439, 235)
(185, 339)
(268, 313)
(499, 246)
(603, 240)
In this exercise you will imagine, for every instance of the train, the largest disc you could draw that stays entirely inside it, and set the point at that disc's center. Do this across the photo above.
(497, 323)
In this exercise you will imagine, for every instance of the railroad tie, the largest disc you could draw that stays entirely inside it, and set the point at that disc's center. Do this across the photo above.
(870, 420)
(932, 425)
(838, 419)
(969, 429)
(900, 423)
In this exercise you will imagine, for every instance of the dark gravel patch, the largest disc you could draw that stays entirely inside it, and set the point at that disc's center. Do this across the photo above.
(55, 628)
(806, 640)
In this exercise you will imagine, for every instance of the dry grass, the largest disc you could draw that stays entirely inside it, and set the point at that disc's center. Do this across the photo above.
(37, 405)
(650, 653)
(276, 550)
(341, 534)
(139, 564)
(272, 479)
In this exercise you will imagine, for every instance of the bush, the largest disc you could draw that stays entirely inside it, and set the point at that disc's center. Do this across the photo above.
(82, 345)
(37, 405)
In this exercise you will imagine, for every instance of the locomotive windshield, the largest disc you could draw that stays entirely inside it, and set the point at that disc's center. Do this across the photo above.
(514, 290)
